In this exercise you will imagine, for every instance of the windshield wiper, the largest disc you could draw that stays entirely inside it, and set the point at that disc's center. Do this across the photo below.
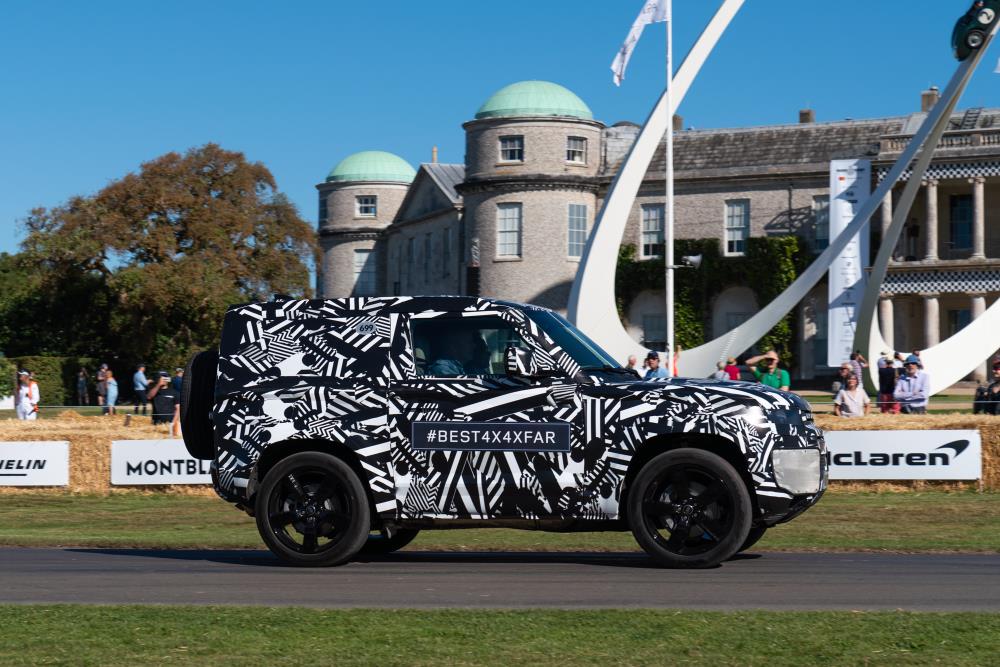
(608, 369)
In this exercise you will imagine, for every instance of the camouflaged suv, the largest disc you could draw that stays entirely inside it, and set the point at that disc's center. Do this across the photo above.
(346, 426)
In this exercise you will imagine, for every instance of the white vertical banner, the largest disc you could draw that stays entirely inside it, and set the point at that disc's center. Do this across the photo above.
(850, 188)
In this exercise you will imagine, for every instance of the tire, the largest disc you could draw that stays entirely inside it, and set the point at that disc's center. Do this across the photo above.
(378, 544)
(309, 497)
(753, 537)
(197, 401)
(974, 39)
(698, 499)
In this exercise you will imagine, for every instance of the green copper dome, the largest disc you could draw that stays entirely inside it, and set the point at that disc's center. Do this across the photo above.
(372, 166)
(534, 98)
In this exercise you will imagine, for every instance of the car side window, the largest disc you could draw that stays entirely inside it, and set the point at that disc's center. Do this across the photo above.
(456, 346)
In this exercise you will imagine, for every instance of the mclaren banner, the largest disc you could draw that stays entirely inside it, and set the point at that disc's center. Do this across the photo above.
(904, 455)
(138, 462)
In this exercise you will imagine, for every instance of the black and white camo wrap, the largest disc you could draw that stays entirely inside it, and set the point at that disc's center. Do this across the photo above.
(342, 371)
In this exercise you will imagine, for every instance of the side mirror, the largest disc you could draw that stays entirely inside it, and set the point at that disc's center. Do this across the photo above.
(520, 362)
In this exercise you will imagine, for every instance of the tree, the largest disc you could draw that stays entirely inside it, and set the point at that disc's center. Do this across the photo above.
(162, 253)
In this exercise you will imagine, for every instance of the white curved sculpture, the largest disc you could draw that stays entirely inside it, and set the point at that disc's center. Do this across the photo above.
(953, 359)
(598, 316)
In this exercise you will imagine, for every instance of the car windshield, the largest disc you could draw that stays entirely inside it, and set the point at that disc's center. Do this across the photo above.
(584, 351)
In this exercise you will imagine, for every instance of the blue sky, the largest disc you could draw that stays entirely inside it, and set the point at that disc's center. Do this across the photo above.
(91, 90)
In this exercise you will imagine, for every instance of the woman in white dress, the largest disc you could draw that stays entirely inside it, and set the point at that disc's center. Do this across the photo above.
(852, 401)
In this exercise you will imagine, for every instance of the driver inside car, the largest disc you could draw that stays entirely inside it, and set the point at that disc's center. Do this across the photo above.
(459, 352)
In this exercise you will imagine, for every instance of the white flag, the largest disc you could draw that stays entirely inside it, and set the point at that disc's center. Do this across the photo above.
(654, 11)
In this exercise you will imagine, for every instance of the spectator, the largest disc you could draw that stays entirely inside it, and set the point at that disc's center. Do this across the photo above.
(102, 383)
(111, 391)
(765, 369)
(912, 389)
(887, 377)
(630, 365)
(140, 385)
(840, 381)
(720, 372)
(166, 401)
(653, 369)
(732, 369)
(82, 398)
(987, 400)
(852, 401)
(897, 362)
(27, 397)
(858, 364)
(178, 380)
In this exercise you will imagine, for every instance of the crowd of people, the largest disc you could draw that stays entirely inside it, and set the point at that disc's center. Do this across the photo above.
(163, 391)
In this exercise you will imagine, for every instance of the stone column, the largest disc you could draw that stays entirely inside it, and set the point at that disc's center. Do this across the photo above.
(978, 217)
(978, 308)
(932, 320)
(931, 226)
(886, 320)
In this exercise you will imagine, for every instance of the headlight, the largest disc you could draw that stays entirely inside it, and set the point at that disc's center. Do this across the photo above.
(786, 417)
(797, 470)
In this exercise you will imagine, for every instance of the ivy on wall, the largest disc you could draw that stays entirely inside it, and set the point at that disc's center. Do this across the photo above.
(769, 266)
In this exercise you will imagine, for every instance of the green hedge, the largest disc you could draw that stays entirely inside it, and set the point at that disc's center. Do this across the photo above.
(8, 374)
(56, 377)
(769, 266)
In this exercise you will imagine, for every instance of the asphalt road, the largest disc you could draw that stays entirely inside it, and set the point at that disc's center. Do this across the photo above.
(781, 581)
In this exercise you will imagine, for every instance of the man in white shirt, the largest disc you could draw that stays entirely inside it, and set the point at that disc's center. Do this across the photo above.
(913, 388)
(27, 397)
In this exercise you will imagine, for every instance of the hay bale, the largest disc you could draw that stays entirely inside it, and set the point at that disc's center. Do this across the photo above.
(90, 451)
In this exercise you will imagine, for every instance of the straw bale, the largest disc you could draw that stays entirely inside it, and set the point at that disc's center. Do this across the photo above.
(90, 451)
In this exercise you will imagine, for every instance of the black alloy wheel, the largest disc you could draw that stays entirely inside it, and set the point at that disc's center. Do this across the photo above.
(379, 543)
(312, 510)
(689, 508)
(753, 537)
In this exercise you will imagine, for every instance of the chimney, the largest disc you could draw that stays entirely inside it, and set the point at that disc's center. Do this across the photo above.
(678, 123)
(929, 98)
(434, 154)
(807, 116)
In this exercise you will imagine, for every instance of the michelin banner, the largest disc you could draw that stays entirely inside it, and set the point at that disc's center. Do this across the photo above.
(34, 463)
(140, 462)
(905, 455)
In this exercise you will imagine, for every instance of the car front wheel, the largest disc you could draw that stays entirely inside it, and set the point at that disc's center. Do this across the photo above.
(312, 510)
(689, 508)
(380, 543)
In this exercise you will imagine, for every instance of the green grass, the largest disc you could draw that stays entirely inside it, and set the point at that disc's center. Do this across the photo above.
(95, 635)
(932, 521)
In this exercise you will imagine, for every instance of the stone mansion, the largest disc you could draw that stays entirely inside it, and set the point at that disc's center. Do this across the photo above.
(512, 220)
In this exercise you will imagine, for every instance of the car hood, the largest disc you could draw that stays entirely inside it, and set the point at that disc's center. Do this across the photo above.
(744, 392)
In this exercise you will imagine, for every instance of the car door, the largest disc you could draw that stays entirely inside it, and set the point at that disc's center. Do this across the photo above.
(470, 441)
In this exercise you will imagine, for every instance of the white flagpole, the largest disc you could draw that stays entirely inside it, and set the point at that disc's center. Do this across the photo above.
(668, 209)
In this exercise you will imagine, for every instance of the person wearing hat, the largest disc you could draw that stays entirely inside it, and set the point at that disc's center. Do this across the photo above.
(913, 388)
(732, 369)
(988, 398)
(653, 368)
(166, 400)
(27, 397)
(765, 369)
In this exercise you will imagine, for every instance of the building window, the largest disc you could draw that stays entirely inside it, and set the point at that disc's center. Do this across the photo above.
(322, 210)
(512, 149)
(654, 332)
(821, 214)
(737, 226)
(367, 206)
(508, 230)
(427, 258)
(652, 231)
(446, 253)
(577, 236)
(961, 222)
(364, 273)
(958, 320)
(576, 150)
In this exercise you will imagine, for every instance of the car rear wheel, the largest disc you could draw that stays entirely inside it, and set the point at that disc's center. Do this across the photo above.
(975, 39)
(689, 508)
(312, 510)
(197, 399)
(379, 543)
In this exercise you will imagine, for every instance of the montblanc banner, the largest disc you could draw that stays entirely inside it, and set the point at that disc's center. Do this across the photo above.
(34, 463)
(850, 187)
(139, 462)
(904, 455)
